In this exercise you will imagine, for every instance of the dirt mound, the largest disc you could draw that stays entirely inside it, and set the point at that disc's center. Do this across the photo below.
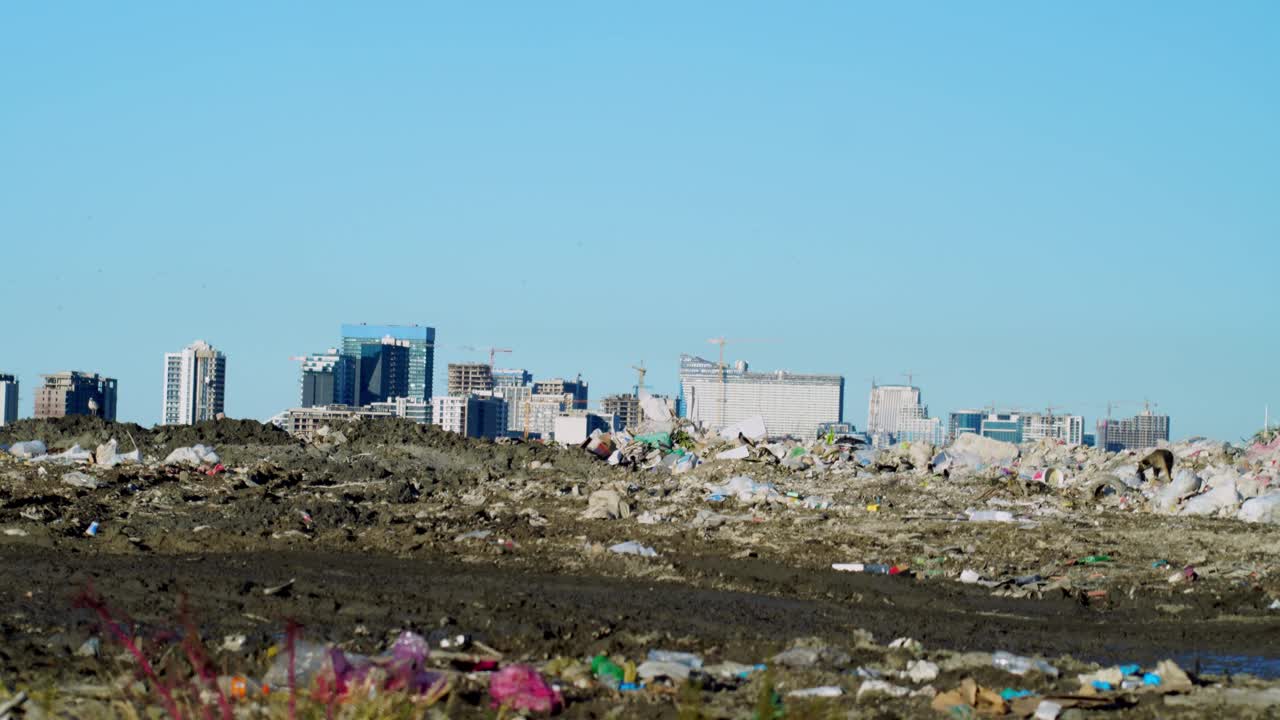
(89, 432)
(218, 433)
(398, 431)
(62, 433)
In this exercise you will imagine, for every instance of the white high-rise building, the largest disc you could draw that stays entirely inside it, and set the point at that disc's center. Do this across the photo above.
(1067, 428)
(195, 383)
(8, 399)
(791, 404)
(895, 413)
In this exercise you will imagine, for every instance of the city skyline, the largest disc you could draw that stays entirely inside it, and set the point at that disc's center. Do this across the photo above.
(943, 423)
(845, 178)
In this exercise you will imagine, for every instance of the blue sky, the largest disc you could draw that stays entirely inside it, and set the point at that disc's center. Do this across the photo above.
(1024, 203)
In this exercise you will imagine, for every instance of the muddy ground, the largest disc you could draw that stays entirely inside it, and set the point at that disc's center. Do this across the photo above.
(394, 526)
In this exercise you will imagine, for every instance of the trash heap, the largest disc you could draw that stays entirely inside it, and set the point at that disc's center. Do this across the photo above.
(1207, 478)
(448, 669)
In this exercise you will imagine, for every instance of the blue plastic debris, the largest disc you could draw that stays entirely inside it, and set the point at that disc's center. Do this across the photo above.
(1101, 685)
(1130, 669)
(1011, 694)
(1151, 679)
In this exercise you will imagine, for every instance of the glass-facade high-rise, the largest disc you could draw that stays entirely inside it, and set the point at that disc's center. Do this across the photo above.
(1003, 426)
(381, 371)
(964, 421)
(422, 350)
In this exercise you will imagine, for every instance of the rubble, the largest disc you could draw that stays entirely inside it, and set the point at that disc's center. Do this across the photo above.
(1039, 555)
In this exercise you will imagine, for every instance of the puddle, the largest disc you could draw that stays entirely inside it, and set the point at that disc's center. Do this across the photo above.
(1210, 664)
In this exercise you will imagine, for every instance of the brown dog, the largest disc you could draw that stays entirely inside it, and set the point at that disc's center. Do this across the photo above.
(1158, 461)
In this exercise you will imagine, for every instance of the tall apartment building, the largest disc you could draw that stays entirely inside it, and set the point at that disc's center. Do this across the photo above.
(540, 414)
(8, 399)
(421, 344)
(516, 377)
(626, 407)
(895, 413)
(1043, 426)
(915, 425)
(328, 378)
(791, 404)
(381, 370)
(887, 404)
(1141, 431)
(468, 378)
(517, 399)
(75, 393)
(470, 415)
(575, 389)
(195, 384)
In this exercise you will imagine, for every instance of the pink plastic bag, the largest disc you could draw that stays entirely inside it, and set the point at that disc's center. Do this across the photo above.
(520, 687)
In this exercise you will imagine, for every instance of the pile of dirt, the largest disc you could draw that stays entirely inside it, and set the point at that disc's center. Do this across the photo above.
(82, 430)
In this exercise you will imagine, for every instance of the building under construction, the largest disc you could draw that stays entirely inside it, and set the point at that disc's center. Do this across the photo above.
(467, 378)
(75, 393)
(791, 404)
(1141, 431)
(625, 407)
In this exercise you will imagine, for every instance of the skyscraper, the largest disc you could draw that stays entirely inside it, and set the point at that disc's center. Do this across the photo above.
(422, 350)
(327, 379)
(895, 412)
(381, 371)
(195, 383)
(75, 393)
(8, 399)
(791, 404)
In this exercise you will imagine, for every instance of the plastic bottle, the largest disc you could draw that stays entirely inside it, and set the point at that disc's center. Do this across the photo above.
(1019, 665)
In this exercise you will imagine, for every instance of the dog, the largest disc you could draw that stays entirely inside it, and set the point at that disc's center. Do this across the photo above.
(1158, 461)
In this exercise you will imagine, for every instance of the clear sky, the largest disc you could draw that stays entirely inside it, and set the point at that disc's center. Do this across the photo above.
(1023, 203)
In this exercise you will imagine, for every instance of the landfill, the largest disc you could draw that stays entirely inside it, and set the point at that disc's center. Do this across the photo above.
(384, 568)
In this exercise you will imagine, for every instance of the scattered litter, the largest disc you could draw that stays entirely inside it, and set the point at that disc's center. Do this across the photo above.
(825, 691)
(631, 547)
(81, 480)
(195, 455)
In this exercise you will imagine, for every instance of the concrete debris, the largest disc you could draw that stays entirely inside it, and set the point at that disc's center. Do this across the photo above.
(751, 428)
(607, 505)
(977, 452)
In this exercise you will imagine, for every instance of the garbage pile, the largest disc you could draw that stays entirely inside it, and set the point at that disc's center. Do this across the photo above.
(447, 668)
(1196, 477)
